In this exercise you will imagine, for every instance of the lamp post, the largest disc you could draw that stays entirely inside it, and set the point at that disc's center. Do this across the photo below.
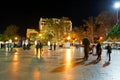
(117, 6)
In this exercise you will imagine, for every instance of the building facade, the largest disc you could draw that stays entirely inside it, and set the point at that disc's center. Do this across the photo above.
(43, 22)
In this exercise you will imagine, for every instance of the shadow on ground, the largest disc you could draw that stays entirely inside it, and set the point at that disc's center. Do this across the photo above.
(72, 60)
(106, 64)
(67, 66)
(93, 62)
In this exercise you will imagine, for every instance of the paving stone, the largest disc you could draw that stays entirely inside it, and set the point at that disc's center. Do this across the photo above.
(62, 64)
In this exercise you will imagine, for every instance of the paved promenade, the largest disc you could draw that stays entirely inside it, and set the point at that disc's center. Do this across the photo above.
(61, 64)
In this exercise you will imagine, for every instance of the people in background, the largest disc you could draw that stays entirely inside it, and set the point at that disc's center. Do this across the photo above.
(109, 51)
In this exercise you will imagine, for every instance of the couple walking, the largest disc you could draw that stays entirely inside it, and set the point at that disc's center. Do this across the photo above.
(99, 51)
(39, 46)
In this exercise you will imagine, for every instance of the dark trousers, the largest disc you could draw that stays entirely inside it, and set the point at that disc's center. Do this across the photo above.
(99, 56)
(109, 56)
(40, 51)
(86, 55)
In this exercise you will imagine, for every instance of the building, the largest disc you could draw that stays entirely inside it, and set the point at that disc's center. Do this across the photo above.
(31, 33)
(43, 22)
(64, 24)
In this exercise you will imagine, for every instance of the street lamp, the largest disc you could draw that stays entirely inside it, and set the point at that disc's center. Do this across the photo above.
(68, 38)
(117, 6)
(40, 34)
(16, 38)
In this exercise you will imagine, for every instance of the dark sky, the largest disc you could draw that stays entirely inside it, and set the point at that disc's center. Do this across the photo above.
(27, 14)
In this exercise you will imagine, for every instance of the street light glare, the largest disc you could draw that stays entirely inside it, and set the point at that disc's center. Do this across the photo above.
(117, 5)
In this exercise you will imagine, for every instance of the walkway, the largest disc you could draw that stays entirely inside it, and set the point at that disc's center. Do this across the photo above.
(62, 64)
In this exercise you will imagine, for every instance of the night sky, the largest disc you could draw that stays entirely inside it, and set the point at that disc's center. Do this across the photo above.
(27, 14)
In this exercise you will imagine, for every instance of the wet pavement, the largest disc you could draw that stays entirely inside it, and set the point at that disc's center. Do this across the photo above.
(61, 64)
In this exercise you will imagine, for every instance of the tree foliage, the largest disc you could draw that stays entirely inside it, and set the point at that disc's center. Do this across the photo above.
(99, 26)
(104, 22)
(2, 37)
(78, 33)
(11, 32)
(114, 32)
(89, 25)
(48, 35)
(55, 26)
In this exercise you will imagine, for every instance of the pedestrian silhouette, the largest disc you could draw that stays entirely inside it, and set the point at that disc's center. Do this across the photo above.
(109, 51)
(54, 46)
(86, 44)
(50, 46)
(37, 46)
(99, 51)
(40, 46)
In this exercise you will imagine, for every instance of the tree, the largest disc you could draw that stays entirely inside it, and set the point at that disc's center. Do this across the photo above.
(48, 35)
(78, 33)
(57, 27)
(99, 26)
(63, 27)
(89, 25)
(2, 37)
(11, 32)
(49, 30)
(114, 33)
(103, 23)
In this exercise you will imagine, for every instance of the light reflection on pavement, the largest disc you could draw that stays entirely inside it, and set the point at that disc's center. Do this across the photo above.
(62, 64)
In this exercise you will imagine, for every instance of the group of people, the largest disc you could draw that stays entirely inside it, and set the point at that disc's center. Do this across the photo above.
(86, 50)
(39, 46)
(52, 45)
(99, 52)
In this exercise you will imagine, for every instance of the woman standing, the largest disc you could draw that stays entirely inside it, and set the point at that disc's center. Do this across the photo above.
(109, 51)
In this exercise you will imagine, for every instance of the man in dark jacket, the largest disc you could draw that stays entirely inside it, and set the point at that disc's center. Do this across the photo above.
(109, 51)
(98, 51)
(40, 46)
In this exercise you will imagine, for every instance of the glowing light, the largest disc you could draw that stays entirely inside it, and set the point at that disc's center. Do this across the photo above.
(15, 56)
(16, 38)
(36, 74)
(117, 5)
(40, 34)
(37, 53)
(15, 64)
(68, 59)
(68, 55)
(101, 38)
(68, 37)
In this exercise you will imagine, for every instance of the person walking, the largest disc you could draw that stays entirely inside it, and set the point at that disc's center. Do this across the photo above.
(86, 51)
(50, 46)
(37, 46)
(99, 51)
(40, 46)
(54, 46)
(109, 51)
(86, 44)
